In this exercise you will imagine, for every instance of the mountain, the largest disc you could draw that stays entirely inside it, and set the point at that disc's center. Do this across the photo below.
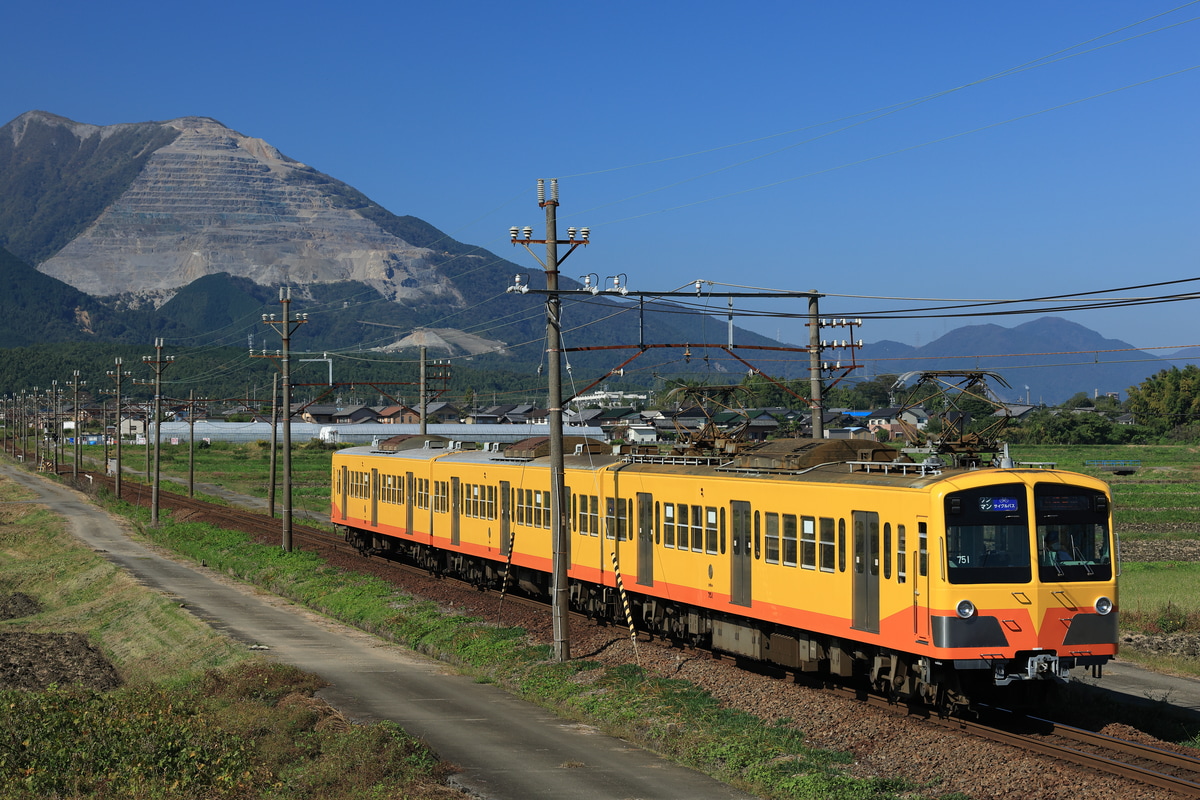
(200, 224)
(195, 198)
(1057, 359)
(37, 309)
(186, 229)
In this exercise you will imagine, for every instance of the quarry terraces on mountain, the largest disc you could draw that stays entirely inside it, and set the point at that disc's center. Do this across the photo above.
(216, 201)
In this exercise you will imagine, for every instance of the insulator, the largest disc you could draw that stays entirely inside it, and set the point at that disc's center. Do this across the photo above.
(571, 234)
(541, 190)
(585, 232)
(513, 231)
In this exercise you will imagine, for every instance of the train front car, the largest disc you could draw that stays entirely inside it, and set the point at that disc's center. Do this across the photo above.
(1025, 584)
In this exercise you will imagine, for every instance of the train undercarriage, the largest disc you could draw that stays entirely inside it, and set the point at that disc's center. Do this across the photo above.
(899, 676)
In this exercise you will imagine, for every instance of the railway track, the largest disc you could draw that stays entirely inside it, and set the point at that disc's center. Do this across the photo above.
(1146, 764)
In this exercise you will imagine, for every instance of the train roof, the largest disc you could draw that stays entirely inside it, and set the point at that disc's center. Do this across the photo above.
(834, 461)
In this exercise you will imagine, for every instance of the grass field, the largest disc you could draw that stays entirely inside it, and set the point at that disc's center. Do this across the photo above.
(198, 716)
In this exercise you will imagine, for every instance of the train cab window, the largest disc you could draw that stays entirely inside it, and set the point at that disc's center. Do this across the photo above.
(789, 540)
(1072, 533)
(772, 538)
(808, 543)
(828, 545)
(901, 556)
(987, 535)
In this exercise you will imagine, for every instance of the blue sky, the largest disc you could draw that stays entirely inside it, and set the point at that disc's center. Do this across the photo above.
(775, 144)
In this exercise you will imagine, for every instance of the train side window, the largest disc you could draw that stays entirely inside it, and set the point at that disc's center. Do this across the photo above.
(669, 524)
(860, 543)
(624, 518)
(923, 558)
(887, 551)
(772, 538)
(901, 555)
(594, 516)
(575, 526)
(757, 537)
(841, 545)
(828, 545)
(697, 514)
(789, 540)
(710, 530)
(808, 543)
(610, 518)
(722, 530)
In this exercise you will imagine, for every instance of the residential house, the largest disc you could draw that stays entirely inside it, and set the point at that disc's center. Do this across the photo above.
(355, 415)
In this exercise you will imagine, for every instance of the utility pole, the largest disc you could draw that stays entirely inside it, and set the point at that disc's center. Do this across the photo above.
(424, 407)
(56, 428)
(117, 374)
(816, 405)
(191, 443)
(560, 588)
(274, 444)
(158, 363)
(286, 327)
(75, 384)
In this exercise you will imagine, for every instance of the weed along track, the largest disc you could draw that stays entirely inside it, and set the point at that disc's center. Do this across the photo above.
(881, 743)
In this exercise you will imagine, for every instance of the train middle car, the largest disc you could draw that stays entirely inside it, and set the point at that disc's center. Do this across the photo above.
(818, 555)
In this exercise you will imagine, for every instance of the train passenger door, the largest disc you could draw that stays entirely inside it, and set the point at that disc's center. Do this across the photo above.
(345, 489)
(374, 498)
(645, 528)
(411, 501)
(920, 572)
(741, 554)
(866, 571)
(455, 531)
(505, 518)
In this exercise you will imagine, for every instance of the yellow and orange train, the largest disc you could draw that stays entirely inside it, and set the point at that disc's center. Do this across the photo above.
(814, 554)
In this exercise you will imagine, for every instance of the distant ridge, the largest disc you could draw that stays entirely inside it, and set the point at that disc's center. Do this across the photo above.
(1077, 360)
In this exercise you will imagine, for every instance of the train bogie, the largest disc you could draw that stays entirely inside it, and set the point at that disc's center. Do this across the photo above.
(818, 556)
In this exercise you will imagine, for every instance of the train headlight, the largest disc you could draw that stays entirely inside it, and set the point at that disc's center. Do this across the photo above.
(1103, 605)
(965, 609)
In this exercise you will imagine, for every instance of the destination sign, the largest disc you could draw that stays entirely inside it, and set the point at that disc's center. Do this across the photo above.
(998, 504)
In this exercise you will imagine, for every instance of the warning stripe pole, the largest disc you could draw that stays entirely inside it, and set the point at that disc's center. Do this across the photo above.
(512, 539)
(625, 605)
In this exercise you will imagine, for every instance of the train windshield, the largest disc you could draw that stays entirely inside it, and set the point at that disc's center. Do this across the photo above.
(987, 535)
(1072, 534)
